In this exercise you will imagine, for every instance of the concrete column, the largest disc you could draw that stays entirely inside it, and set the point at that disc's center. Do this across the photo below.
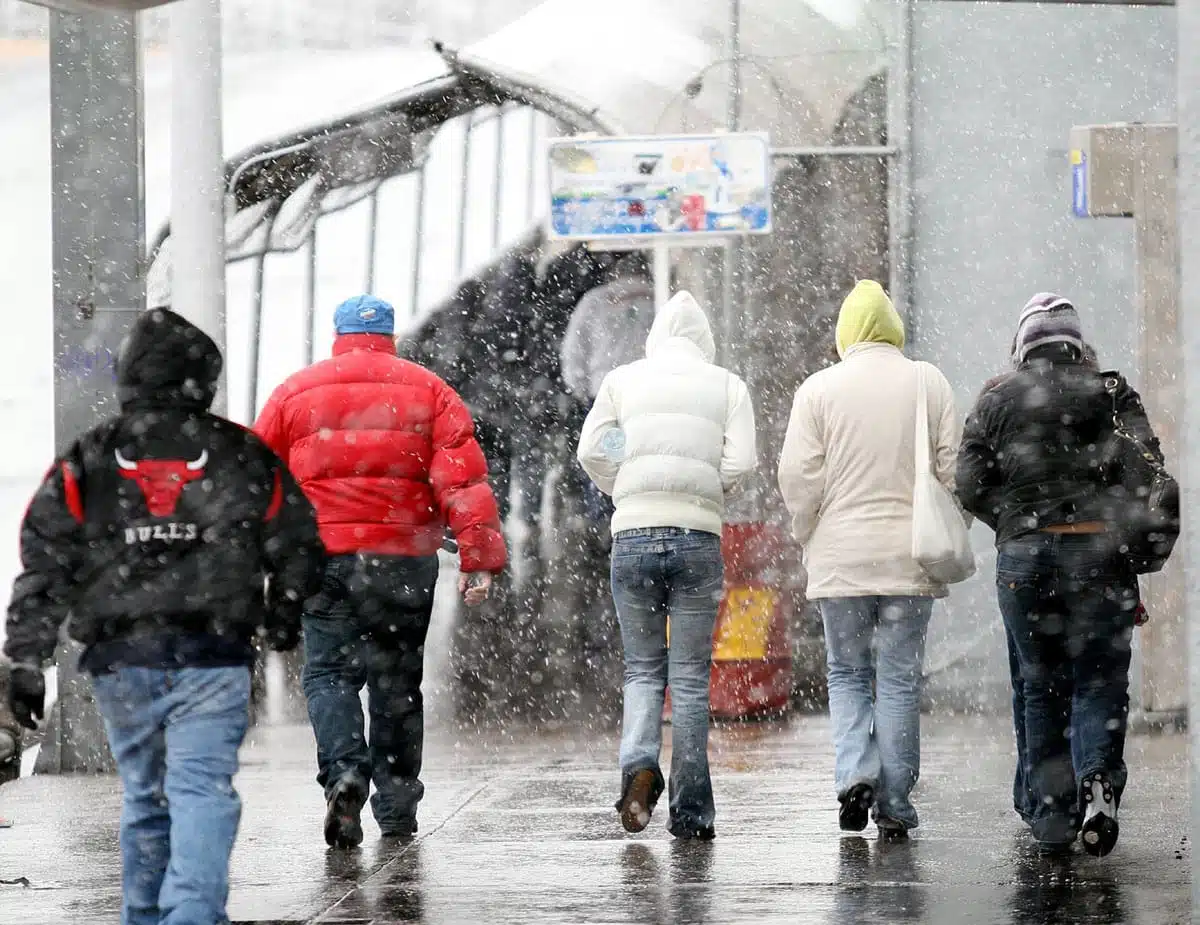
(198, 171)
(1164, 663)
(1188, 179)
(98, 256)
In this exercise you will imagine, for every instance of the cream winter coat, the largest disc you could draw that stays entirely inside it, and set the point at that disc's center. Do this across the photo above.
(847, 471)
(669, 435)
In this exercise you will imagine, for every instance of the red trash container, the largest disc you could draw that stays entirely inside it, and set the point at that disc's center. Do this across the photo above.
(752, 649)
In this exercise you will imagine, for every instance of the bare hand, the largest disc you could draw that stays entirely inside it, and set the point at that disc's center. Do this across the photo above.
(474, 587)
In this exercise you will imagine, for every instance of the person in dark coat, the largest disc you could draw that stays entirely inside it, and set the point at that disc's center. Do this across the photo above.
(1032, 466)
(1129, 407)
(165, 538)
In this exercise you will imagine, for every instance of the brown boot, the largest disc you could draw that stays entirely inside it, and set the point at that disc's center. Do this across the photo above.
(641, 793)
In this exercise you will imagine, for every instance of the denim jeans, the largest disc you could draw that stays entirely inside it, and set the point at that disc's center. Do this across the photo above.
(1023, 801)
(1068, 605)
(877, 642)
(662, 573)
(175, 735)
(367, 626)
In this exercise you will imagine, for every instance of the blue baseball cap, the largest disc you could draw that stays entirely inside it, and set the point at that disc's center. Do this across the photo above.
(364, 314)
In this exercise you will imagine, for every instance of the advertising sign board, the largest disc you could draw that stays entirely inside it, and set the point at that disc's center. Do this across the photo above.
(660, 187)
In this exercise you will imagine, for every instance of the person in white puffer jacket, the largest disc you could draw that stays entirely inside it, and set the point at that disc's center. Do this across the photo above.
(669, 437)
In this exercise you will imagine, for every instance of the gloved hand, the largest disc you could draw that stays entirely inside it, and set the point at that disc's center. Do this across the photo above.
(27, 694)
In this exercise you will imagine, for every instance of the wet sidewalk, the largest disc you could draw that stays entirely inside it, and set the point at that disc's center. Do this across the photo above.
(518, 826)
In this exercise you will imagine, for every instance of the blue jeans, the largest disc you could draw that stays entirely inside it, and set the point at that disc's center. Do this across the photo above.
(877, 642)
(662, 573)
(367, 626)
(1068, 604)
(1023, 801)
(175, 735)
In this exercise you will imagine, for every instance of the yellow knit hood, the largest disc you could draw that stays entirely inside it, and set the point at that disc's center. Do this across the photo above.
(868, 317)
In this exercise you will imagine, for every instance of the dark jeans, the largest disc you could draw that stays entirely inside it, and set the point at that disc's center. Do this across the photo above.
(367, 626)
(1068, 604)
(659, 574)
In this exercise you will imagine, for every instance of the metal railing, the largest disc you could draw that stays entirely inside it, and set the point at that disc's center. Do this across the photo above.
(484, 167)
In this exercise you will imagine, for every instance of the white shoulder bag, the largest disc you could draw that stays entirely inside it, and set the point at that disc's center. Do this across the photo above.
(940, 542)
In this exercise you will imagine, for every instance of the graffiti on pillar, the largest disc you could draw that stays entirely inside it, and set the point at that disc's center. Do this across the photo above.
(85, 362)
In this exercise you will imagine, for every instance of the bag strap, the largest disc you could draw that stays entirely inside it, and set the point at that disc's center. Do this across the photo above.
(923, 461)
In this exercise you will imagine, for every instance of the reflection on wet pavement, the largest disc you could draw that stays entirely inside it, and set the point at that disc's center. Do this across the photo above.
(518, 827)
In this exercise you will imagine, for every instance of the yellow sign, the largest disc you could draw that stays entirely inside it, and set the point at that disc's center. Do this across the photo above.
(745, 626)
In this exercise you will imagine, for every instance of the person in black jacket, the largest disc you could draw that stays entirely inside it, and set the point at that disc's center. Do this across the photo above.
(165, 539)
(1033, 467)
(1129, 406)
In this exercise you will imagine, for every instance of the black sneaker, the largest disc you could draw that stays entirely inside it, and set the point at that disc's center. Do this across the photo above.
(891, 830)
(343, 809)
(405, 828)
(1100, 830)
(856, 807)
(686, 832)
(642, 791)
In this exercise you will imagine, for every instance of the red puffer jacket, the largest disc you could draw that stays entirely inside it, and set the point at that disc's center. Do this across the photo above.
(386, 453)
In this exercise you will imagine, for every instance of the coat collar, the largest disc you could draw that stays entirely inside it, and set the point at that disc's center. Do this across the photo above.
(867, 347)
(371, 343)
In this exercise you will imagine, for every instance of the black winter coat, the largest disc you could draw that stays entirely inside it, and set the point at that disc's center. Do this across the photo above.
(1034, 448)
(156, 535)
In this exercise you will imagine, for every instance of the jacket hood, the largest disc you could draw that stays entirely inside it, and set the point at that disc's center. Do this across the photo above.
(167, 360)
(868, 317)
(682, 318)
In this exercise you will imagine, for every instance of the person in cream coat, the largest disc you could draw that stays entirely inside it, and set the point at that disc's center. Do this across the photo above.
(846, 472)
(668, 438)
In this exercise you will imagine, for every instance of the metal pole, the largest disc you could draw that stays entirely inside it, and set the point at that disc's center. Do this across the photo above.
(731, 278)
(498, 190)
(372, 241)
(310, 298)
(260, 281)
(1188, 114)
(735, 65)
(198, 170)
(531, 204)
(418, 229)
(662, 274)
(899, 122)
(99, 246)
(460, 257)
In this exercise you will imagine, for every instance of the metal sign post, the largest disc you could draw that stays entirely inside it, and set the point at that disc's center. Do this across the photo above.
(98, 252)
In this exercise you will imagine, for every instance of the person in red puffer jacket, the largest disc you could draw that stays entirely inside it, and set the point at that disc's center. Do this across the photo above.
(386, 453)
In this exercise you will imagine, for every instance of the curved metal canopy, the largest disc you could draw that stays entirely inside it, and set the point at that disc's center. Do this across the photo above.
(279, 188)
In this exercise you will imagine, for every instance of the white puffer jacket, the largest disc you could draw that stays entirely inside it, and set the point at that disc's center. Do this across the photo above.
(670, 435)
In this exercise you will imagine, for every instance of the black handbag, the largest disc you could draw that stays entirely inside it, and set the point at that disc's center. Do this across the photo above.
(1146, 494)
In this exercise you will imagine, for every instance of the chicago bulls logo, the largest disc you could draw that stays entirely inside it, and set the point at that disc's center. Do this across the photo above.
(162, 480)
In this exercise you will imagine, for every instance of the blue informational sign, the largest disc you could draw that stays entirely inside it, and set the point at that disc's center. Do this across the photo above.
(1079, 200)
(660, 186)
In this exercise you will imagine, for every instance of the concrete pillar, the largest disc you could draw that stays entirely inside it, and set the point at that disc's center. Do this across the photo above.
(1128, 170)
(1188, 186)
(98, 256)
(198, 172)
(1163, 687)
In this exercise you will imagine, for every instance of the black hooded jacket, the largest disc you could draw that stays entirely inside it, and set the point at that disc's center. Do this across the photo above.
(167, 536)
(1035, 446)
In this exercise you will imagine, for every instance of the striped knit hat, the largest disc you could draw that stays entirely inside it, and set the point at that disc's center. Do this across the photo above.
(1046, 319)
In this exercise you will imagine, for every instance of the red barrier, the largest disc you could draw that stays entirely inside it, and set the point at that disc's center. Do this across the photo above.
(752, 650)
